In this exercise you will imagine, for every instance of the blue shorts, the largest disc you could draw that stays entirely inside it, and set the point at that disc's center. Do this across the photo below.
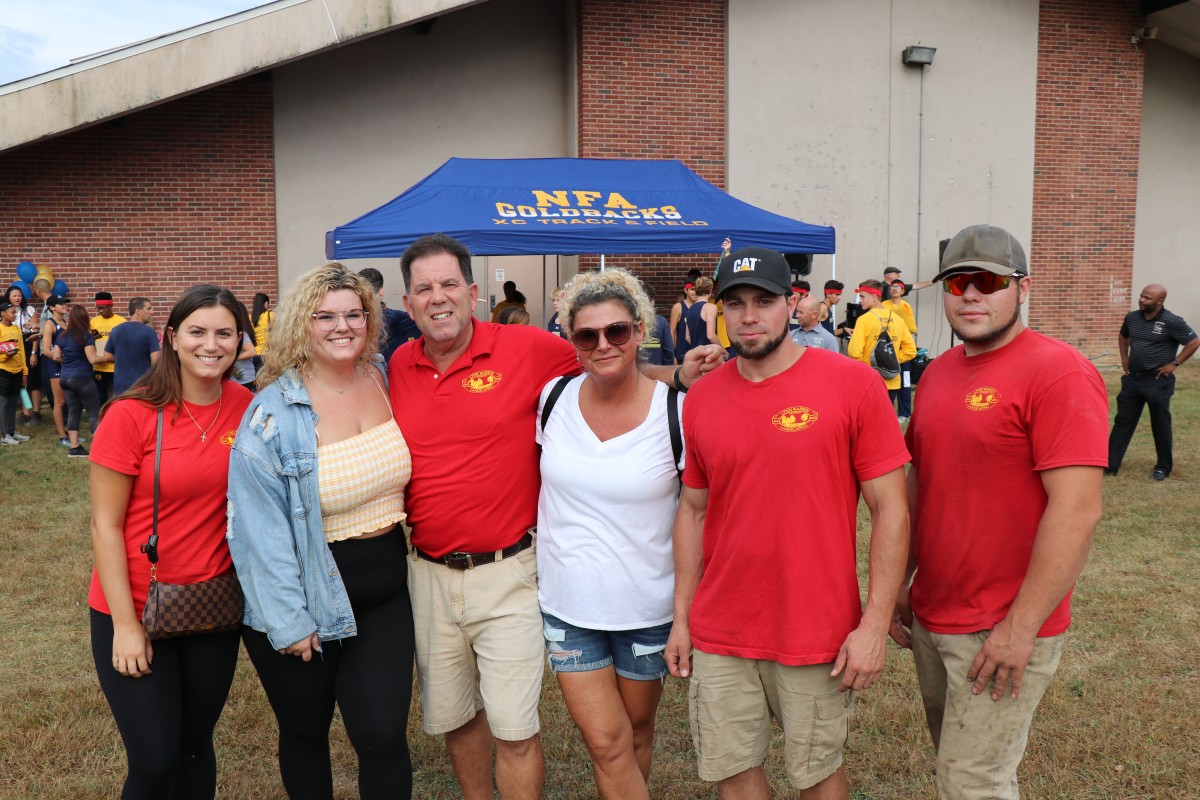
(636, 654)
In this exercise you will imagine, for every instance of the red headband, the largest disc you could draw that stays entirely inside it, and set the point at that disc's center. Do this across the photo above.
(833, 291)
(104, 302)
(689, 286)
(869, 290)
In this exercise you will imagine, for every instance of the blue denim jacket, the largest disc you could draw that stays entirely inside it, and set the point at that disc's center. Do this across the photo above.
(290, 580)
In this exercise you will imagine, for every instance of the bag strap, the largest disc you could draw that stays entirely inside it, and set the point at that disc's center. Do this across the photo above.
(553, 398)
(884, 325)
(675, 429)
(150, 548)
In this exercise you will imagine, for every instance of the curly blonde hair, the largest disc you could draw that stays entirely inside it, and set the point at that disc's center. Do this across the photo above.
(621, 286)
(290, 343)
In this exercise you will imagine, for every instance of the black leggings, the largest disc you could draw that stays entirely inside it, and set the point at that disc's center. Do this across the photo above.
(166, 718)
(10, 393)
(81, 393)
(369, 676)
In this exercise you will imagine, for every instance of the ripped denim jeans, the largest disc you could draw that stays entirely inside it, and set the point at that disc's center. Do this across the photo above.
(635, 654)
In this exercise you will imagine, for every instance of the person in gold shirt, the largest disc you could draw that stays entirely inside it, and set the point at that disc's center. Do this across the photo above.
(101, 326)
(896, 304)
(512, 299)
(871, 323)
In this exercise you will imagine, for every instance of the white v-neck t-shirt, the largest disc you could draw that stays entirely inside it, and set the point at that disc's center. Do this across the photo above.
(605, 515)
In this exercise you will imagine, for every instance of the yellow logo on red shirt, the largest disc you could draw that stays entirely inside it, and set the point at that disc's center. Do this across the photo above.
(481, 381)
(983, 398)
(795, 418)
(228, 437)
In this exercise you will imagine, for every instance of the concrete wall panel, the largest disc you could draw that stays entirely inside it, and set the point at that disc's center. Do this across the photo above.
(1165, 247)
(824, 122)
(356, 127)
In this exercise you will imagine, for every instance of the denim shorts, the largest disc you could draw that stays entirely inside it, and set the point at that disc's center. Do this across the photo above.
(636, 654)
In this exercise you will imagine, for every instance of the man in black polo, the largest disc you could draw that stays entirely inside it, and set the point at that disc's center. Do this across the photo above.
(1149, 340)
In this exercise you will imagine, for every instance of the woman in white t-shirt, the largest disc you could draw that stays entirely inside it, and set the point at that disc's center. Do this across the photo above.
(610, 484)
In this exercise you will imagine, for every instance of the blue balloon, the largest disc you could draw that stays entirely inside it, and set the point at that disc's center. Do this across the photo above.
(27, 271)
(60, 288)
(24, 287)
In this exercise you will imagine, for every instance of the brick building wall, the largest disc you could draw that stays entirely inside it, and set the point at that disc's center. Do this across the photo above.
(652, 85)
(151, 203)
(1088, 130)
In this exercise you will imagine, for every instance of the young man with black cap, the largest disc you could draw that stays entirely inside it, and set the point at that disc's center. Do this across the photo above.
(102, 325)
(770, 605)
(1008, 444)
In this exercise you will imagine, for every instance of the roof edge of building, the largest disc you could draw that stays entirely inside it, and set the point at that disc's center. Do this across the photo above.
(123, 80)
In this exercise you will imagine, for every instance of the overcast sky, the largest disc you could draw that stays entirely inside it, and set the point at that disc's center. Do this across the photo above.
(37, 36)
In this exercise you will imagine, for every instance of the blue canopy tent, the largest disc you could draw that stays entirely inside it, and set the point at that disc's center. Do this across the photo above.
(570, 206)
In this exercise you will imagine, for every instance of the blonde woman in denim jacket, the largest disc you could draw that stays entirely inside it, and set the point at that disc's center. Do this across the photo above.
(316, 495)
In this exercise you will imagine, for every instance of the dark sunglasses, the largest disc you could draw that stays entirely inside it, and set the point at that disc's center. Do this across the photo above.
(985, 282)
(616, 334)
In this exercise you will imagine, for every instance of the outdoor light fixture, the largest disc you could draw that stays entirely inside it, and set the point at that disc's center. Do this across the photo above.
(918, 55)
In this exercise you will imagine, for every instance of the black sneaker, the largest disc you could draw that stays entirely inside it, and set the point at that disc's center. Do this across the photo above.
(77, 452)
(1159, 475)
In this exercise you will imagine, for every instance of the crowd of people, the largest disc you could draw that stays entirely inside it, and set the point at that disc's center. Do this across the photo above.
(492, 499)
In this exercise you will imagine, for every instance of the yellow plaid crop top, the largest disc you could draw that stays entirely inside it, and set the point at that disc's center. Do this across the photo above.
(361, 481)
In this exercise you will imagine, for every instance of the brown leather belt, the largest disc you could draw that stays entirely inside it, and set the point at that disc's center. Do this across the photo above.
(458, 560)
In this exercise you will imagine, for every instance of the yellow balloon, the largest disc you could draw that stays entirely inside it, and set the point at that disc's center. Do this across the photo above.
(44, 273)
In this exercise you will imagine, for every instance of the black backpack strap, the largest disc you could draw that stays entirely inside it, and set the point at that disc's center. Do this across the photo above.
(553, 398)
(675, 428)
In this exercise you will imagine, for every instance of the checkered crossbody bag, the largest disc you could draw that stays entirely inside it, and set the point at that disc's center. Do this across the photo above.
(182, 609)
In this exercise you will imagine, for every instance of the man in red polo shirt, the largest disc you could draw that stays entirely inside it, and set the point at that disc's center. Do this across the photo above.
(465, 396)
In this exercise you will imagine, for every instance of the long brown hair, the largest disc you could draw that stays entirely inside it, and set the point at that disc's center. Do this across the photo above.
(78, 324)
(163, 383)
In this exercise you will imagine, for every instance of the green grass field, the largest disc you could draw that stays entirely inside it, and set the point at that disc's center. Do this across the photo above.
(1119, 720)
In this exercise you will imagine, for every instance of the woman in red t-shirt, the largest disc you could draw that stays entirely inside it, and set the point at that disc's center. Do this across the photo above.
(167, 695)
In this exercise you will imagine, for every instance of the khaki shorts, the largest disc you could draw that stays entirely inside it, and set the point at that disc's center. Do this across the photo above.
(979, 741)
(479, 644)
(733, 699)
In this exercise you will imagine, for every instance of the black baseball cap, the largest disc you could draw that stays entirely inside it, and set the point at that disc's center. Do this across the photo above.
(755, 266)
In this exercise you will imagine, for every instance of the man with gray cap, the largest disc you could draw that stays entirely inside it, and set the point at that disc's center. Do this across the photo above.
(1008, 442)
(769, 600)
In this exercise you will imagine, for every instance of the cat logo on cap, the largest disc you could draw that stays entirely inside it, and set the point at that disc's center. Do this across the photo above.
(746, 264)
(795, 418)
(983, 398)
(481, 381)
